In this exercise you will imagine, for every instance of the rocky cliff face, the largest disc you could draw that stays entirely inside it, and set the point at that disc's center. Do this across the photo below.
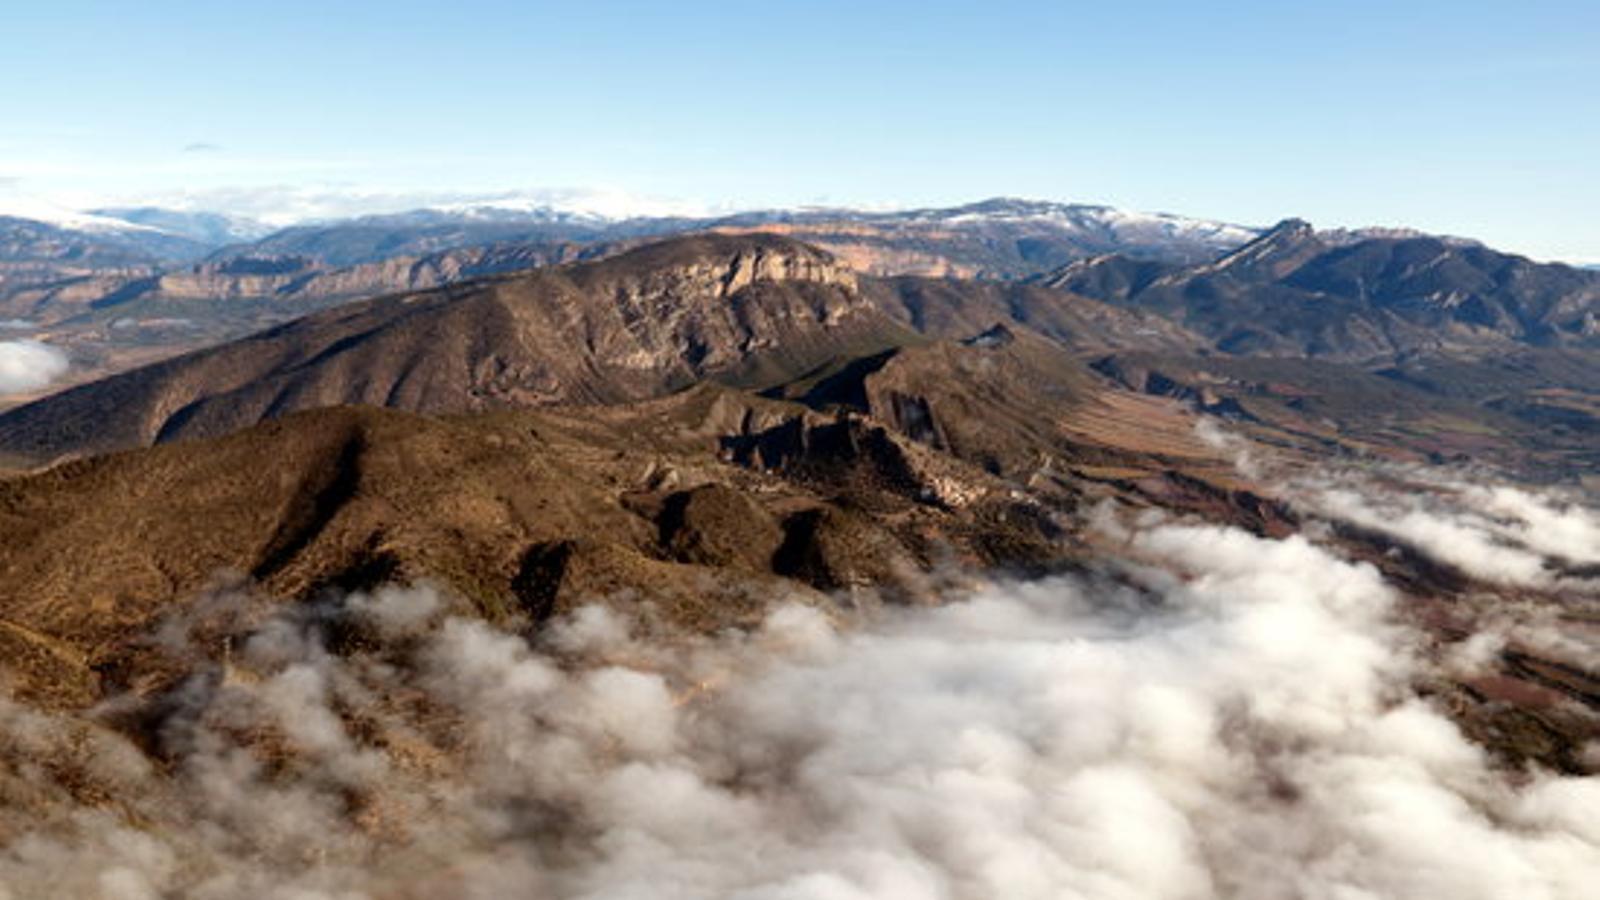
(710, 303)
(781, 263)
(750, 310)
(280, 285)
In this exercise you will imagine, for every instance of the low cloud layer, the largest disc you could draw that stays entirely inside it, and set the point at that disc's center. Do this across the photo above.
(1230, 717)
(29, 365)
(1499, 534)
(1494, 532)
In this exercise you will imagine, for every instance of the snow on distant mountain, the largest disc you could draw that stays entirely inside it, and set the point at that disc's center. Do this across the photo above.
(86, 242)
(1085, 217)
(1347, 236)
(279, 207)
(41, 230)
(304, 222)
(35, 210)
(1001, 238)
(997, 238)
(601, 205)
(213, 228)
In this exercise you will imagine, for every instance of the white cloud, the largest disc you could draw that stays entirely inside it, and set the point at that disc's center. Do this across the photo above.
(1495, 532)
(286, 204)
(1234, 721)
(1501, 534)
(1461, 540)
(28, 365)
(1542, 522)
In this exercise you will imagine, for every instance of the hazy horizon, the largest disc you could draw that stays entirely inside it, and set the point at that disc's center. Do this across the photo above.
(1464, 121)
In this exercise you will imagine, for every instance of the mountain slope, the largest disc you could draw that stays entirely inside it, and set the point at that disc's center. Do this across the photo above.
(749, 310)
(950, 308)
(708, 502)
(1006, 400)
(125, 286)
(698, 511)
(633, 326)
(1294, 292)
(209, 229)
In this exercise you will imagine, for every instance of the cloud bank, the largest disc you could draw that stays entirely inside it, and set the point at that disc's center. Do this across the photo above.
(1231, 716)
(287, 205)
(29, 365)
(1498, 533)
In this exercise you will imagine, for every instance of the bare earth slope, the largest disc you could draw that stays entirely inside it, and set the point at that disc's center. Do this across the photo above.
(634, 326)
(750, 310)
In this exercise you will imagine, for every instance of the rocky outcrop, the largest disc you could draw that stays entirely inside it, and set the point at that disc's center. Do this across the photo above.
(750, 311)
(520, 515)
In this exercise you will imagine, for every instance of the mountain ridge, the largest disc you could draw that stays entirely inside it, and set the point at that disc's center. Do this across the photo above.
(1295, 291)
(750, 310)
(111, 304)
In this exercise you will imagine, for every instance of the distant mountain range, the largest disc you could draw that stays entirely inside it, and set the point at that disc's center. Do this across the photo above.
(996, 238)
(207, 229)
(89, 242)
(122, 286)
(1044, 233)
(757, 311)
(1443, 346)
(1295, 291)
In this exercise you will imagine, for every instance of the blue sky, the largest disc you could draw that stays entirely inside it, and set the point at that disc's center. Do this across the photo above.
(1469, 118)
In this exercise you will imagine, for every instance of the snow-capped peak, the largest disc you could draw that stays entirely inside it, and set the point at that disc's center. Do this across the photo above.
(1092, 217)
(1345, 236)
(36, 210)
(602, 205)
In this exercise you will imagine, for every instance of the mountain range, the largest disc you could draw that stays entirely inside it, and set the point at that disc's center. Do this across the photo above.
(1399, 308)
(739, 405)
(120, 286)
(749, 411)
(279, 564)
(1294, 291)
(757, 311)
(1039, 232)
